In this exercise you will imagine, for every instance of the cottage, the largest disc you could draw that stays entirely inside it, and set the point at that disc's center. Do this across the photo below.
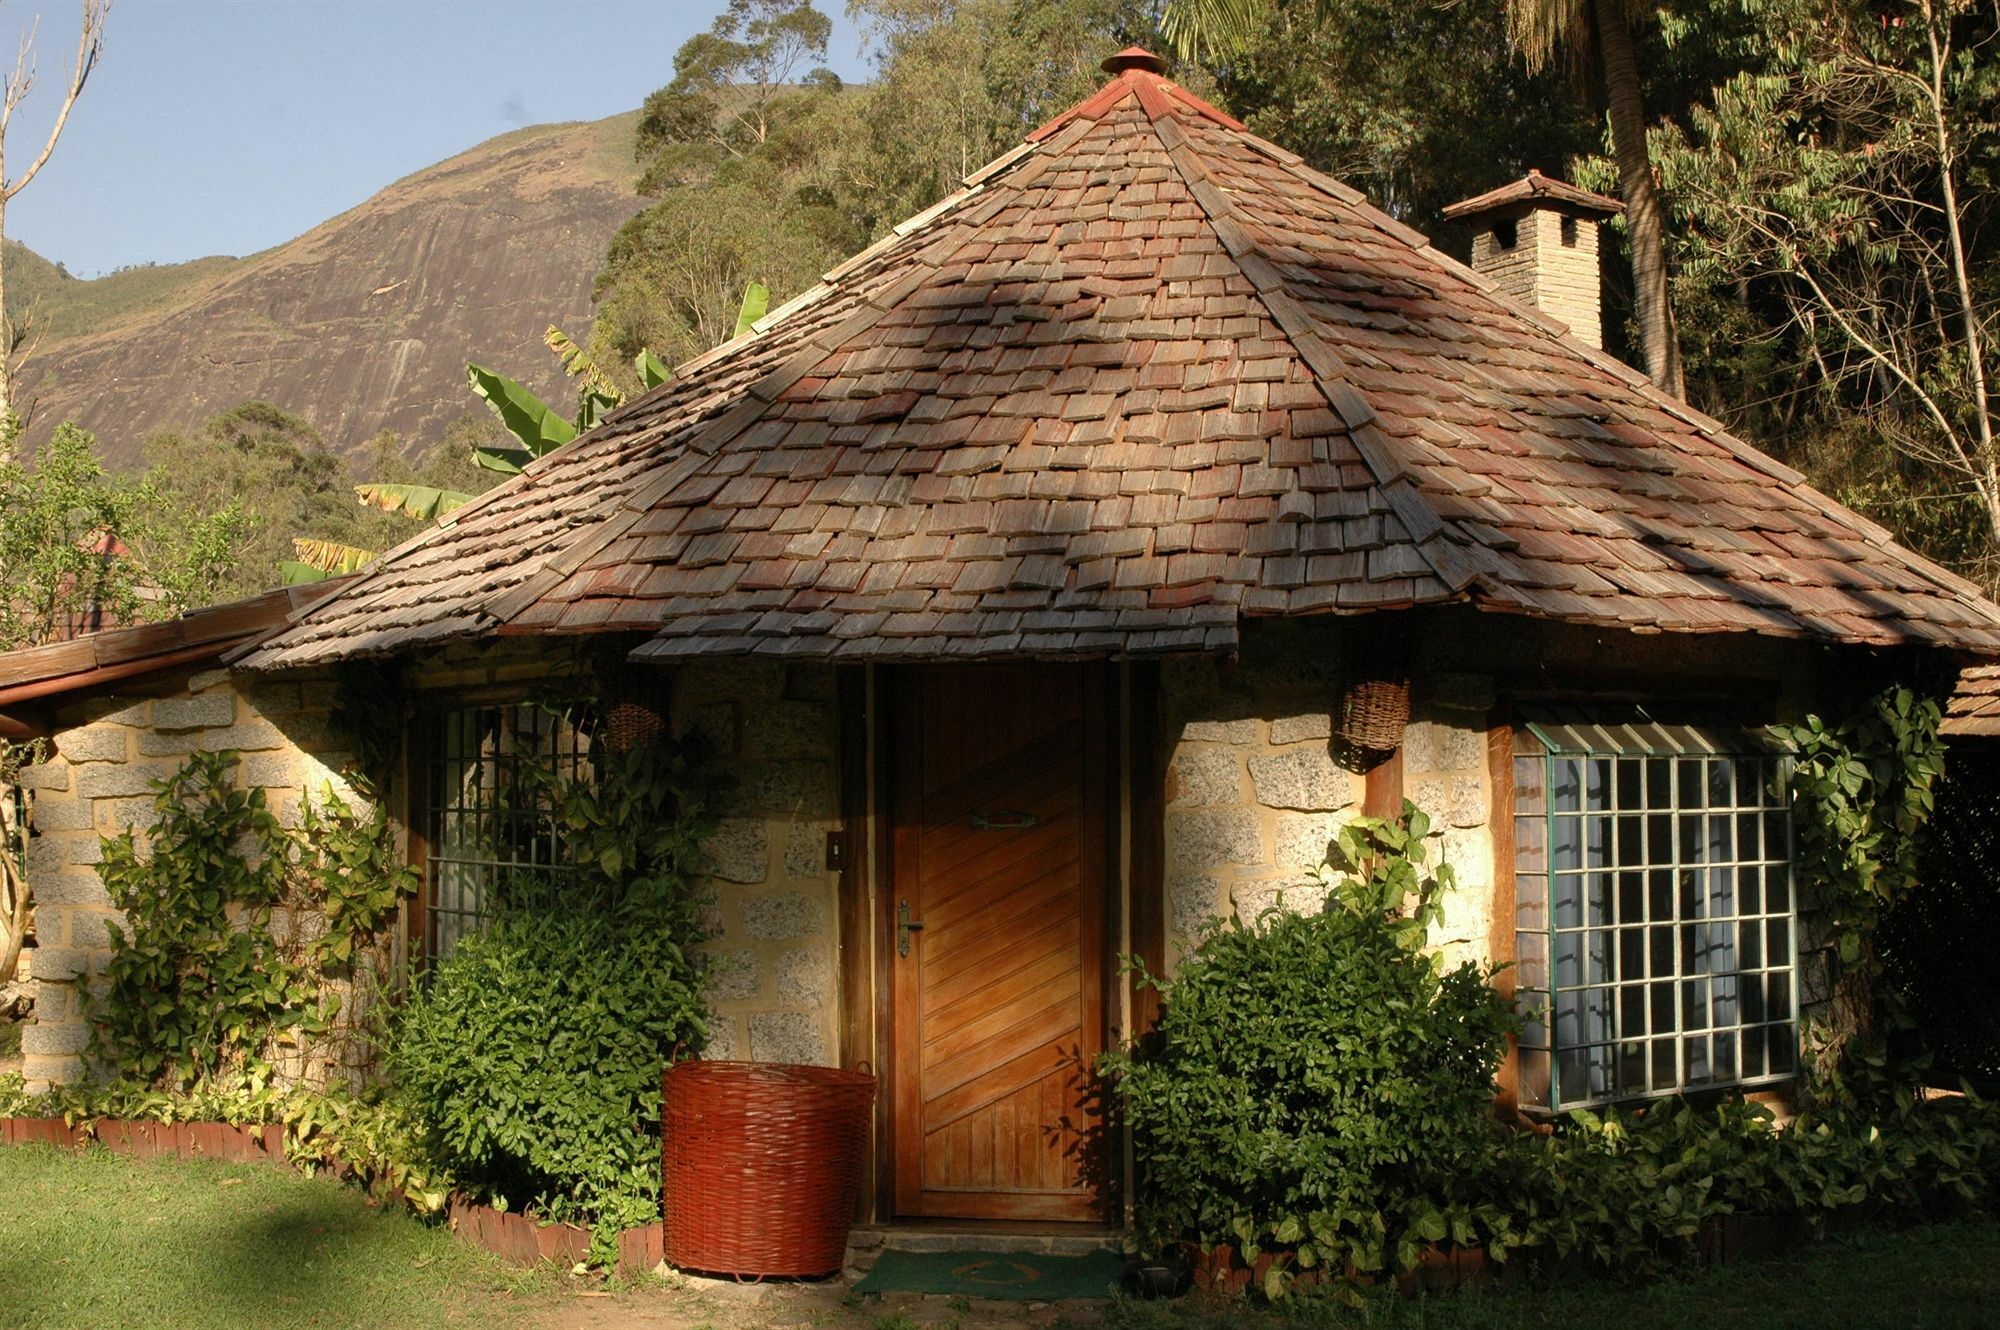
(1061, 572)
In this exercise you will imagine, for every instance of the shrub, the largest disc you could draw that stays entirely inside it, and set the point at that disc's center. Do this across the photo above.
(1319, 1083)
(534, 1057)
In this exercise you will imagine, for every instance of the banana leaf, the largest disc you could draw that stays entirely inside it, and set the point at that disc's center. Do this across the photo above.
(422, 502)
(756, 302)
(330, 557)
(652, 372)
(535, 426)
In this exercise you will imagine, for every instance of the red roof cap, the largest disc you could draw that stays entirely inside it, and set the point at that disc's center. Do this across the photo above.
(1133, 57)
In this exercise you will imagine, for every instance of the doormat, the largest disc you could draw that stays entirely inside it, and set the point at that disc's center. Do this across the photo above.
(1025, 1276)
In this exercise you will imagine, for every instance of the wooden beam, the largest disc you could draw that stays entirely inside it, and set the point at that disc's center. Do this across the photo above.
(1500, 943)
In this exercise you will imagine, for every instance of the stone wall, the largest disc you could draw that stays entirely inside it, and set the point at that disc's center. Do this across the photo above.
(107, 752)
(774, 983)
(1257, 788)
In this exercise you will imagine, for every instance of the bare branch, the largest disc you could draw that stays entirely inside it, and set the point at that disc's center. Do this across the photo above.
(89, 48)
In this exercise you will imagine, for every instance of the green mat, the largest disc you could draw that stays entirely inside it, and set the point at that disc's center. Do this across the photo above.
(1026, 1276)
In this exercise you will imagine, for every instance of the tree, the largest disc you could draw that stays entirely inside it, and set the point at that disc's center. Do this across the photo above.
(81, 549)
(1846, 187)
(16, 904)
(1598, 36)
(89, 47)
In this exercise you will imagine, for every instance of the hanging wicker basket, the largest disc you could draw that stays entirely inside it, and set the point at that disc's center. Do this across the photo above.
(1374, 713)
(762, 1165)
(630, 698)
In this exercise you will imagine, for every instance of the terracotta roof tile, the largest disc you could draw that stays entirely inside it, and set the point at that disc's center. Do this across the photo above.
(1143, 376)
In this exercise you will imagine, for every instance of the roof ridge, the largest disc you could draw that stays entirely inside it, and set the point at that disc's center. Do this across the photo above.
(1330, 373)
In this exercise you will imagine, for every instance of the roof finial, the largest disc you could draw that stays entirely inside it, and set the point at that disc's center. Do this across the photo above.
(1133, 57)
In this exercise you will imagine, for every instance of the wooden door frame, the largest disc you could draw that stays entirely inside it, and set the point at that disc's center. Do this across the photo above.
(1103, 778)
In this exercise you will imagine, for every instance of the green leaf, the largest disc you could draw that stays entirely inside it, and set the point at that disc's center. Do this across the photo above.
(423, 502)
(652, 372)
(756, 303)
(534, 425)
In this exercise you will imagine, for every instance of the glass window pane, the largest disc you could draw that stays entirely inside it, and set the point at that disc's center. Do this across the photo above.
(1566, 784)
(1531, 960)
(1569, 900)
(1531, 835)
(1566, 844)
(1597, 783)
(1631, 784)
(1531, 903)
(1534, 1077)
(1569, 960)
(1597, 899)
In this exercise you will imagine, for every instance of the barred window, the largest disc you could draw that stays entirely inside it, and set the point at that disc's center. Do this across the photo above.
(483, 835)
(1655, 911)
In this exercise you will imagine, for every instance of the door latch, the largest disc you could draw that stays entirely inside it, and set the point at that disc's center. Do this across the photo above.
(904, 927)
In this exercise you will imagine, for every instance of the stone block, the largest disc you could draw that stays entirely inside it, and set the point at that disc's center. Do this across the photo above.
(778, 730)
(1253, 897)
(87, 930)
(50, 855)
(250, 736)
(1299, 728)
(43, 1074)
(119, 711)
(117, 815)
(782, 916)
(805, 850)
(740, 849)
(1219, 731)
(71, 889)
(1206, 777)
(1188, 681)
(1192, 900)
(1466, 805)
(1430, 745)
(1303, 839)
(112, 780)
(787, 1036)
(194, 713)
(721, 723)
(166, 743)
(791, 789)
(1307, 779)
(51, 776)
(1469, 851)
(62, 813)
(206, 679)
(1208, 839)
(805, 975)
(733, 976)
(57, 965)
(54, 1005)
(94, 743)
(279, 770)
(724, 1039)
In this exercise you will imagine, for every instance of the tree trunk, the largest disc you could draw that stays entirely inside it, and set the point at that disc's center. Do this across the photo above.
(14, 914)
(6, 347)
(1645, 218)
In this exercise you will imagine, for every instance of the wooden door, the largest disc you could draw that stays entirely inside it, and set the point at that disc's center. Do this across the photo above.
(998, 1000)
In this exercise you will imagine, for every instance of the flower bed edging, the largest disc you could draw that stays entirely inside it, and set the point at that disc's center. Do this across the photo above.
(522, 1240)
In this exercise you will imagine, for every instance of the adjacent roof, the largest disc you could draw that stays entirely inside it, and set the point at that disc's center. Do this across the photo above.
(93, 660)
(1531, 190)
(1974, 708)
(1144, 376)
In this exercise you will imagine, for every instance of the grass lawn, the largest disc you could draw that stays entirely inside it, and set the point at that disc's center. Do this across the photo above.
(96, 1240)
(1941, 1278)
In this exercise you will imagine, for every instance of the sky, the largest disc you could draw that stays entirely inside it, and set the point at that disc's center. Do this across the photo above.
(216, 127)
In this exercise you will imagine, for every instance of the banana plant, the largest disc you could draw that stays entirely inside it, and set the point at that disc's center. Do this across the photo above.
(321, 559)
(422, 502)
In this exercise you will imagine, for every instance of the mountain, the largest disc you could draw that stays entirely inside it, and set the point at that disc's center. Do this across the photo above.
(362, 324)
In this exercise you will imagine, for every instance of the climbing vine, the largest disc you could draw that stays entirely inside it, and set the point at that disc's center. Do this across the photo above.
(1862, 789)
(221, 962)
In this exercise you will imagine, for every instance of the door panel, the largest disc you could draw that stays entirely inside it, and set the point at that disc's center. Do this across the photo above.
(997, 1011)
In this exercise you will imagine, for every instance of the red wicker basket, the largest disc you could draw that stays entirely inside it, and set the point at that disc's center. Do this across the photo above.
(762, 1165)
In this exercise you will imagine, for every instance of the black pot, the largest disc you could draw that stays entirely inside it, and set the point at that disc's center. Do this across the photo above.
(1166, 1278)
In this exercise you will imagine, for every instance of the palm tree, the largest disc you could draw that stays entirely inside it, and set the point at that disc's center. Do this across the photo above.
(1598, 36)
(1603, 29)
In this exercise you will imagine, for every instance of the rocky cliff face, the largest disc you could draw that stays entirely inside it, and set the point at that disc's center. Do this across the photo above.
(366, 322)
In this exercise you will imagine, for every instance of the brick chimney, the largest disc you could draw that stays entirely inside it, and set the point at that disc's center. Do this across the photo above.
(1536, 239)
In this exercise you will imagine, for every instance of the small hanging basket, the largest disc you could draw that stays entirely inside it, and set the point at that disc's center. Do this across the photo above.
(1374, 713)
(631, 705)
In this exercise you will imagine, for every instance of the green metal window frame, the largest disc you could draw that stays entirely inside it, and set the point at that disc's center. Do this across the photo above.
(482, 838)
(1656, 910)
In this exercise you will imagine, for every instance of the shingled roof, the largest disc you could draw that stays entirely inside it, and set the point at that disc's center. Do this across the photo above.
(1144, 376)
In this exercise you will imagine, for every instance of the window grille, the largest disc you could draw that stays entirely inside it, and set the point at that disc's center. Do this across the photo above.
(485, 835)
(1656, 914)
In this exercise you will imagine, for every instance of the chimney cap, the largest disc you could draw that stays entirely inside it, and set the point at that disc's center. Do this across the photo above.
(1133, 57)
(1534, 190)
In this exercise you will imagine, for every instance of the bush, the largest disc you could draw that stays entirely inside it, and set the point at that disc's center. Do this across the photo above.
(534, 1057)
(1319, 1083)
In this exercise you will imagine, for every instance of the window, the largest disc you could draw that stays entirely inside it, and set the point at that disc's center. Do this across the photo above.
(1655, 919)
(482, 837)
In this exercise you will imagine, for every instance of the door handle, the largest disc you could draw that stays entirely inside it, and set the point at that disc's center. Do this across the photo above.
(904, 927)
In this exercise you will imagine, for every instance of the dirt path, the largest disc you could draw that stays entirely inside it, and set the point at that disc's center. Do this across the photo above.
(680, 1304)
